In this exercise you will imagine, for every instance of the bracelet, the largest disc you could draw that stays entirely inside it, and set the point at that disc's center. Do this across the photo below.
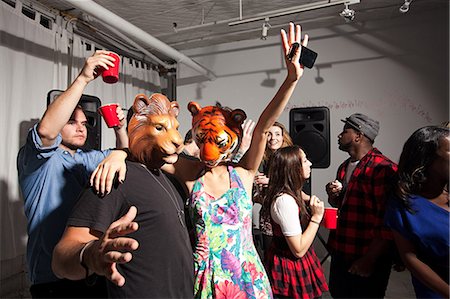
(313, 221)
(85, 246)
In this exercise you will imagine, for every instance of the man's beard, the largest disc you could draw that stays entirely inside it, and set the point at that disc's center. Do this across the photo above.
(73, 146)
(344, 146)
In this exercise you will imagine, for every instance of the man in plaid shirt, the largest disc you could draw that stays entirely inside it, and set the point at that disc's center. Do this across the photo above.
(361, 246)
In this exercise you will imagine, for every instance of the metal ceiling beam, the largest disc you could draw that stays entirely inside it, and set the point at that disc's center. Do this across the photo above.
(268, 14)
(113, 20)
(292, 10)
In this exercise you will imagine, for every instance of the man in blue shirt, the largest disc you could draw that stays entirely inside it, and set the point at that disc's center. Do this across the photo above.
(53, 170)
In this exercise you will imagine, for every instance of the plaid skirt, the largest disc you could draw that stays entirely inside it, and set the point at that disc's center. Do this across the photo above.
(294, 277)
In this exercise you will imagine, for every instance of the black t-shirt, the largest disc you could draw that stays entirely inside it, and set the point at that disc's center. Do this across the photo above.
(162, 266)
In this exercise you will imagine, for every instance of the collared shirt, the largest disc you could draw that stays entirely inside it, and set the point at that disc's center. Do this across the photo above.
(362, 205)
(51, 179)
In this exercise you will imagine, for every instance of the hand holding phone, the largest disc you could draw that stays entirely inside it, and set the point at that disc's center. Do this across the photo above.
(307, 56)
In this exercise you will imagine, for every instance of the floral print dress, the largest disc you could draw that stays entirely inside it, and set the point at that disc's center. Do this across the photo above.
(226, 262)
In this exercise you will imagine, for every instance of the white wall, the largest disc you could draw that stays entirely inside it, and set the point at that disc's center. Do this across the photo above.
(395, 71)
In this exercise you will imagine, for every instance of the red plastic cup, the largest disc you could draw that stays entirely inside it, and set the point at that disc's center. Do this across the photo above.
(330, 218)
(109, 115)
(111, 75)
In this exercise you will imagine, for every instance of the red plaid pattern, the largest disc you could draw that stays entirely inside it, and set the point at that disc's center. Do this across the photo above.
(362, 205)
(290, 276)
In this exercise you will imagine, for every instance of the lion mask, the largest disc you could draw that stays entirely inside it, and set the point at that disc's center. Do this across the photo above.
(153, 131)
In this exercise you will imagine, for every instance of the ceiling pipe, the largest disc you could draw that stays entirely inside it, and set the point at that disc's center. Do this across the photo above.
(113, 20)
(140, 48)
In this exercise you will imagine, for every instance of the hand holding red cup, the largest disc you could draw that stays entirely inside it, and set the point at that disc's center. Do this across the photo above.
(109, 113)
(111, 75)
(330, 218)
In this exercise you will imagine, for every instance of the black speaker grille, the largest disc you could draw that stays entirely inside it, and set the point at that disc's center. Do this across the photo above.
(310, 128)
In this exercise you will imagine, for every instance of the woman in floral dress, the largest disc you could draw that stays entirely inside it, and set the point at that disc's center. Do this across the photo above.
(227, 264)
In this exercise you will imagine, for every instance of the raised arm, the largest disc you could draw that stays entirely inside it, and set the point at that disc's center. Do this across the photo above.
(59, 111)
(272, 112)
(121, 131)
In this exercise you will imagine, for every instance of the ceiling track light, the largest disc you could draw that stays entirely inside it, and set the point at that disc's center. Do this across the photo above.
(265, 29)
(284, 12)
(348, 14)
(405, 6)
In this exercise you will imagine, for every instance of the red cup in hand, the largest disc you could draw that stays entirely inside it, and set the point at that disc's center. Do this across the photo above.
(111, 75)
(330, 218)
(109, 115)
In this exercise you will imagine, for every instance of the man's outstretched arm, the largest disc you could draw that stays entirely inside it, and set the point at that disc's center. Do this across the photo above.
(78, 247)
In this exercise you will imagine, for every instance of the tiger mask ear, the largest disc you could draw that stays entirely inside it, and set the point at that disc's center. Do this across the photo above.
(194, 108)
(238, 116)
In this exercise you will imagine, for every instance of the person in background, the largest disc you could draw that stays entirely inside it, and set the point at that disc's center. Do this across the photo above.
(293, 267)
(53, 170)
(361, 246)
(418, 214)
(277, 137)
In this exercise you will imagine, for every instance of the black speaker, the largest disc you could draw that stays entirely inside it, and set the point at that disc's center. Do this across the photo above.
(307, 185)
(310, 128)
(90, 105)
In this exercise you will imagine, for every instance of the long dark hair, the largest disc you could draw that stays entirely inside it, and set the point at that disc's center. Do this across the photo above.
(286, 176)
(419, 152)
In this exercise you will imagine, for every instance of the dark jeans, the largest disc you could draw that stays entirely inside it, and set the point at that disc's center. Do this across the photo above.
(343, 284)
(65, 288)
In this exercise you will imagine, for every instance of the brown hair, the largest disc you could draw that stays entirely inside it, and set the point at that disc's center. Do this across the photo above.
(286, 176)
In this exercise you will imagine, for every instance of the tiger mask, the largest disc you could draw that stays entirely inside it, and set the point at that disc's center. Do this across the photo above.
(217, 132)
(153, 131)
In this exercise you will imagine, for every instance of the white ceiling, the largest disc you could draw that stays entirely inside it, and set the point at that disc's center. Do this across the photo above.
(187, 24)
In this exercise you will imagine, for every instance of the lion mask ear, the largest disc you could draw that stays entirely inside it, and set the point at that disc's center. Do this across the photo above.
(238, 116)
(140, 102)
(194, 108)
(175, 108)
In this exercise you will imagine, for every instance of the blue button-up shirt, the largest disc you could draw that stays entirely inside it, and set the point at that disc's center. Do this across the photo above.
(51, 180)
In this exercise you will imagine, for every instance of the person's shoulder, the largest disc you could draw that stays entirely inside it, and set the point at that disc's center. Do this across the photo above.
(135, 168)
(284, 198)
(381, 160)
(284, 202)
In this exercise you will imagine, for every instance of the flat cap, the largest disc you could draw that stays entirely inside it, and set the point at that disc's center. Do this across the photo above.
(364, 124)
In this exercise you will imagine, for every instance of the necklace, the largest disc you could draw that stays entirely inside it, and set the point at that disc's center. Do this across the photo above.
(171, 195)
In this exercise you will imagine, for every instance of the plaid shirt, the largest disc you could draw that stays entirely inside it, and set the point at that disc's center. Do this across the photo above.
(362, 205)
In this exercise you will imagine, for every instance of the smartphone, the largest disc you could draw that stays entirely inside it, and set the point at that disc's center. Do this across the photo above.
(307, 56)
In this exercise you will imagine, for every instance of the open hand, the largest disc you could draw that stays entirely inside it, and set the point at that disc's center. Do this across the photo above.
(295, 70)
(114, 247)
